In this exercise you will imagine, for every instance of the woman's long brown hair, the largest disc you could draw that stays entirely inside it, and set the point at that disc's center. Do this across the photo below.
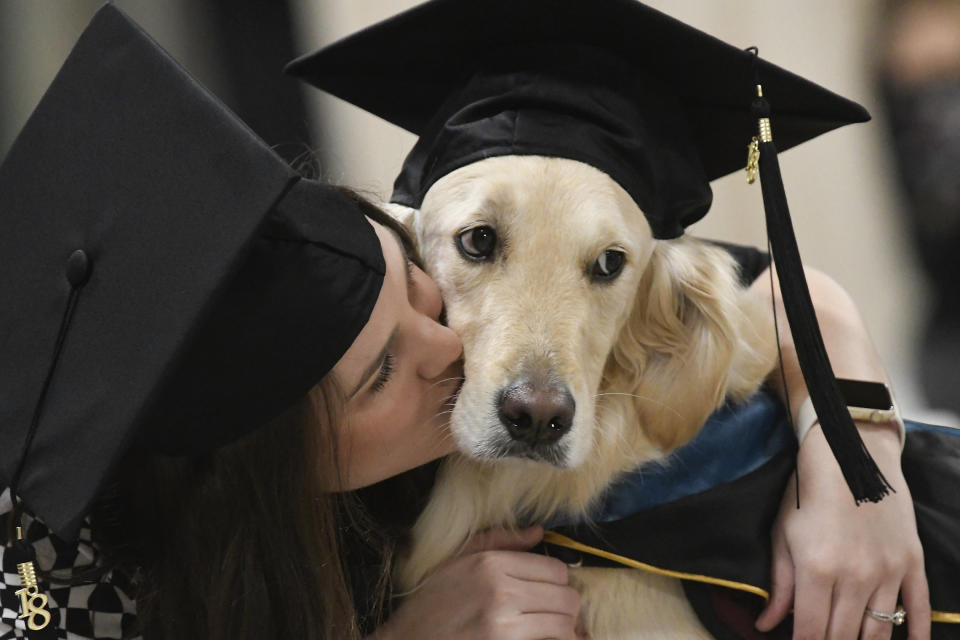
(240, 543)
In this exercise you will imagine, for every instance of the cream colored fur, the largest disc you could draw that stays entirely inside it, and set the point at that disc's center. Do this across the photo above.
(647, 358)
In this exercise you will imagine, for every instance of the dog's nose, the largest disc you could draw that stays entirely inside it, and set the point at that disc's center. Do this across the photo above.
(536, 414)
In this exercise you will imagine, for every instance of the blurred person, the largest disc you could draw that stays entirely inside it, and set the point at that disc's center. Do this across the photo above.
(920, 85)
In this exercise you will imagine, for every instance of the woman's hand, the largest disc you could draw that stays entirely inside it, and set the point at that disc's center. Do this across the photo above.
(494, 589)
(832, 559)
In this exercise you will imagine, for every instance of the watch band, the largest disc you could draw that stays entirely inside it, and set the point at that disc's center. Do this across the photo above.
(807, 417)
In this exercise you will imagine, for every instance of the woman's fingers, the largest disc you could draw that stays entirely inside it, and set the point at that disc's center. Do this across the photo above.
(526, 595)
(781, 589)
(811, 607)
(850, 598)
(528, 567)
(542, 626)
(916, 600)
(832, 596)
(542, 597)
(526, 582)
(884, 600)
(501, 551)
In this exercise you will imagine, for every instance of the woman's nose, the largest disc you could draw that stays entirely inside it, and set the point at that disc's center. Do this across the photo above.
(429, 301)
(442, 347)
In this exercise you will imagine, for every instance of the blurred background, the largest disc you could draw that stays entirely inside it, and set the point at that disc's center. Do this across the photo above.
(876, 205)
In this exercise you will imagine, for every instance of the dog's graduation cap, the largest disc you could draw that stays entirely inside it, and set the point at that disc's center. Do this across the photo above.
(658, 105)
(169, 282)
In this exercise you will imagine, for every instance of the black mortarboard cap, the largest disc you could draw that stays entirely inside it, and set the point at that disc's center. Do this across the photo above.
(169, 282)
(656, 104)
(661, 107)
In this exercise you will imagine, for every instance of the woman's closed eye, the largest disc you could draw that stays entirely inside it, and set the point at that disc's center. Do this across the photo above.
(383, 376)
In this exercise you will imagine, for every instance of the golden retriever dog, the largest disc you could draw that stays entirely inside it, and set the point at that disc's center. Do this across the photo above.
(590, 347)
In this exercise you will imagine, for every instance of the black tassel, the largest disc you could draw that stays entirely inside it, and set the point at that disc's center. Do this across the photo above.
(861, 473)
(21, 552)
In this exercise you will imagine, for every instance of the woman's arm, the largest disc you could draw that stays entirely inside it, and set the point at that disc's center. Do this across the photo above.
(833, 559)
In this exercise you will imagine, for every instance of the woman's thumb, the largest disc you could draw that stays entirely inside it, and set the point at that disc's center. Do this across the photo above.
(781, 592)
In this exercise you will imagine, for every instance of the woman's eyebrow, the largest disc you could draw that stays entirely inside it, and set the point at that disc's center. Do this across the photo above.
(374, 365)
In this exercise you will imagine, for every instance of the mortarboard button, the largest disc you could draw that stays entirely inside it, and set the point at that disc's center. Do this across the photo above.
(78, 268)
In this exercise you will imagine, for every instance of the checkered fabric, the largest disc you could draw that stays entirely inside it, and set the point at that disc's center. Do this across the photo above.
(102, 609)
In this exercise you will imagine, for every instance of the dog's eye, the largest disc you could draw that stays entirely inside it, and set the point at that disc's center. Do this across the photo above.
(477, 243)
(608, 265)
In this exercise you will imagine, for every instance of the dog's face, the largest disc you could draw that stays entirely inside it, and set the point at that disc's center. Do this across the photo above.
(538, 260)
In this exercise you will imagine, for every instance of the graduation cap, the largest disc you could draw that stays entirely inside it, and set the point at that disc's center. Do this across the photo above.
(169, 282)
(661, 107)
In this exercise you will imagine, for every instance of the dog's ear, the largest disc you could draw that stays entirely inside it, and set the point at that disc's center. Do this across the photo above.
(407, 216)
(692, 340)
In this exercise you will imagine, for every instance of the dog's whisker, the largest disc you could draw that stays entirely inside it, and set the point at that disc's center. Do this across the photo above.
(444, 380)
(663, 405)
(616, 393)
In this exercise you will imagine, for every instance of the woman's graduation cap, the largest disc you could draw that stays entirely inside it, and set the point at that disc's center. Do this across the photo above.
(169, 282)
(658, 105)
